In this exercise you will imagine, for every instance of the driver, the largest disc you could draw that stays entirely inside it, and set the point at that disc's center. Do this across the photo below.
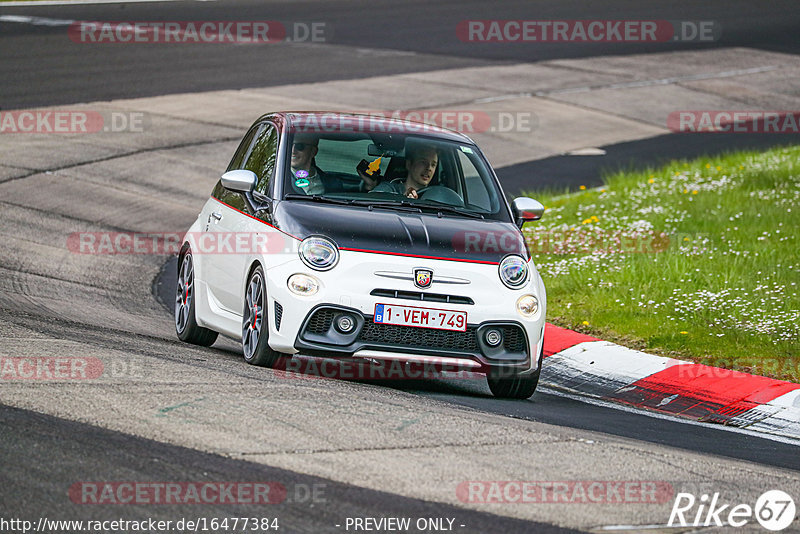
(421, 162)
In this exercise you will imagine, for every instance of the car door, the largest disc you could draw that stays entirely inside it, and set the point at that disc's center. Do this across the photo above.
(234, 225)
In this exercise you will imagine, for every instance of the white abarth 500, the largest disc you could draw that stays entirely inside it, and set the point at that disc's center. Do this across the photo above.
(349, 236)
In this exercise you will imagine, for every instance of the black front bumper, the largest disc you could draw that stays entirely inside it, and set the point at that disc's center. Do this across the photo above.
(319, 336)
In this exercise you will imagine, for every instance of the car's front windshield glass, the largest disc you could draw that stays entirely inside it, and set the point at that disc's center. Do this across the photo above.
(387, 170)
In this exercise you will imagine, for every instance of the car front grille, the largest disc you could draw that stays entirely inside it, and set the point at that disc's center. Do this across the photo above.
(405, 338)
(411, 337)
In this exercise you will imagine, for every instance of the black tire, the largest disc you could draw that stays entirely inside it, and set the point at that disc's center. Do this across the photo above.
(514, 387)
(255, 323)
(185, 323)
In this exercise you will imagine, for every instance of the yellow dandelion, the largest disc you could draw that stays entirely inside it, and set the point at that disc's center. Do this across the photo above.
(602, 190)
(708, 165)
(684, 332)
(650, 181)
(583, 187)
(685, 190)
(585, 323)
(686, 239)
(719, 168)
(694, 192)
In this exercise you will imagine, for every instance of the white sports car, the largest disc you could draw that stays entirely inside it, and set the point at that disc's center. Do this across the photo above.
(349, 236)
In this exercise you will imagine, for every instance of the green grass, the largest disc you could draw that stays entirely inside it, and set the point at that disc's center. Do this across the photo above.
(717, 282)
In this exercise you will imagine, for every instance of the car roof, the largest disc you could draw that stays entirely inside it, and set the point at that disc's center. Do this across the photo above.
(333, 121)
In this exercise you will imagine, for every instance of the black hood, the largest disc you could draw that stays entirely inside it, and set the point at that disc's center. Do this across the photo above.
(399, 232)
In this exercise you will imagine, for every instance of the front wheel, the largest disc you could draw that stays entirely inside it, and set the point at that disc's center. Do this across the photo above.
(255, 327)
(185, 323)
(514, 387)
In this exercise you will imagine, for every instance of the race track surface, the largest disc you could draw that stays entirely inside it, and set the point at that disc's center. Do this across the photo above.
(163, 411)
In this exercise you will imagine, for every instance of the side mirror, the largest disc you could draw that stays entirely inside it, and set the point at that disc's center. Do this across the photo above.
(527, 209)
(240, 180)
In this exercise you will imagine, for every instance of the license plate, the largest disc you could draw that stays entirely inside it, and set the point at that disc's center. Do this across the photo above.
(420, 317)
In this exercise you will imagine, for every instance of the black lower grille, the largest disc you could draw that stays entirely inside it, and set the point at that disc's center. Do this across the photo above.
(409, 336)
(278, 315)
(320, 322)
(513, 339)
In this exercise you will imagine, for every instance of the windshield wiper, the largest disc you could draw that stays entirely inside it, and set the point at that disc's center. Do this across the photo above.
(317, 198)
(400, 205)
(452, 209)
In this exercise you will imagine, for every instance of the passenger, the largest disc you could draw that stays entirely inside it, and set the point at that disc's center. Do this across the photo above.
(421, 162)
(307, 177)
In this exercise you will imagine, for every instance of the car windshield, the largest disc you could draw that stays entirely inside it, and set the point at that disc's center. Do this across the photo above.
(397, 171)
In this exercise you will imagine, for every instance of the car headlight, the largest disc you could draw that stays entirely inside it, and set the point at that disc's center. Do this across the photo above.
(513, 271)
(527, 305)
(303, 284)
(319, 253)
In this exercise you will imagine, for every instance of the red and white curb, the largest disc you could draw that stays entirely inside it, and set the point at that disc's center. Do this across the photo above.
(591, 367)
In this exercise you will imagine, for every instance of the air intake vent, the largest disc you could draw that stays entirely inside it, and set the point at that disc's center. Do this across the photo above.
(425, 297)
(278, 315)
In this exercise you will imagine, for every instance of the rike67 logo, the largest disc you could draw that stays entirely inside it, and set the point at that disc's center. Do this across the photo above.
(774, 510)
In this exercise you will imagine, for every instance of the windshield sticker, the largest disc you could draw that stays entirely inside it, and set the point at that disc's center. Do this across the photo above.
(301, 174)
(466, 149)
(374, 167)
(302, 182)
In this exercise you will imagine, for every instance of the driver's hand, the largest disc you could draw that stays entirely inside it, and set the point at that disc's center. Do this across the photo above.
(369, 181)
(411, 193)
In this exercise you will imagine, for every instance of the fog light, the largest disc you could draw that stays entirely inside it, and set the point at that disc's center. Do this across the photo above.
(527, 305)
(303, 284)
(493, 337)
(345, 324)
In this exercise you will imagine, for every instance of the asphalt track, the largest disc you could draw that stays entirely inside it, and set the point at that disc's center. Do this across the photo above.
(367, 38)
(387, 449)
(115, 456)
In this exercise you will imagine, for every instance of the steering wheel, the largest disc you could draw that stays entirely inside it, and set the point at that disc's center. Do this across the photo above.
(440, 194)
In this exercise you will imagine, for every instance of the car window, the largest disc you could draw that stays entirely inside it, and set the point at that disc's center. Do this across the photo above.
(244, 148)
(336, 156)
(262, 157)
(476, 193)
(461, 178)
